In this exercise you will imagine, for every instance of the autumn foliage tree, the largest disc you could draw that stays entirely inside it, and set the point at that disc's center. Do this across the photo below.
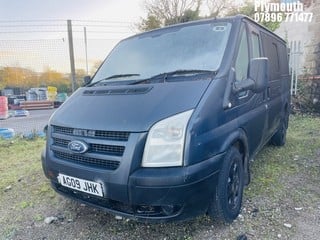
(17, 77)
(51, 77)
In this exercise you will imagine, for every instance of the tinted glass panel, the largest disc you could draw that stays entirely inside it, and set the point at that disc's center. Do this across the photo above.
(191, 47)
(270, 49)
(242, 60)
(255, 45)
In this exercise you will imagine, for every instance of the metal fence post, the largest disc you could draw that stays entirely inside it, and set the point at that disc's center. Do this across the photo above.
(294, 62)
(86, 48)
(71, 52)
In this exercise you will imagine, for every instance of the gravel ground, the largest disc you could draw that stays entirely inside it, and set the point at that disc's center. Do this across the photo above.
(35, 122)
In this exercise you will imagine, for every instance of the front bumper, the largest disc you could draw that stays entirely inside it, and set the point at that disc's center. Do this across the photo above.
(149, 194)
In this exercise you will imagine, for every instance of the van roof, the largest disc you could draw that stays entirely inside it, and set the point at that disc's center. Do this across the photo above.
(238, 17)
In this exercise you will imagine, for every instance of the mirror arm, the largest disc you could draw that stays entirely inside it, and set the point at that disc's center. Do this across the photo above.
(244, 85)
(87, 80)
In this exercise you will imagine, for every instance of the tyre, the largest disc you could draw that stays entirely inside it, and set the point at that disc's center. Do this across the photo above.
(279, 138)
(226, 204)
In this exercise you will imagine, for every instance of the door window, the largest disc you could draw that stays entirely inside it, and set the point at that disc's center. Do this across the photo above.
(255, 45)
(242, 60)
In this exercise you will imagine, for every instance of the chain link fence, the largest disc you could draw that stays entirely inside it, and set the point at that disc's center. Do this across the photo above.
(37, 53)
(35, 58)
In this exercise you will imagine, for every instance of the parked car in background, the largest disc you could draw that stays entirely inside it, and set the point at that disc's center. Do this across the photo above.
(21, 113)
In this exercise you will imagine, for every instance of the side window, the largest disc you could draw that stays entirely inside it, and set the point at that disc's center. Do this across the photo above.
(242, 60)
(275, 52)
(255, 45)
(271, 51)
(283, 57)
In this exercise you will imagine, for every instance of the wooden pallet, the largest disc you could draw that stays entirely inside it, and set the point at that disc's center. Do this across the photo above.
(35, 105)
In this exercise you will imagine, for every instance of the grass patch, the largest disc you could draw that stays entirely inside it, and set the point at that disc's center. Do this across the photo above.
(19, 158)
(274, 164)
(25, 204)
(24, 190)
(38, 217)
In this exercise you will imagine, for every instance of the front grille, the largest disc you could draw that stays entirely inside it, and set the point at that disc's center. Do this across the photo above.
(63, 130)
(89, 161)
(93, 148)
(107, 149)
(102, 146)
(115, 136)
(61, 142)
(107, 135)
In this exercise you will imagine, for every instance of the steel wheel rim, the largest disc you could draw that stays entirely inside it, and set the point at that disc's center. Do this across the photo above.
(233, 186)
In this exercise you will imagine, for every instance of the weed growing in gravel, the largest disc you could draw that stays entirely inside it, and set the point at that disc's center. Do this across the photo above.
(274, 164)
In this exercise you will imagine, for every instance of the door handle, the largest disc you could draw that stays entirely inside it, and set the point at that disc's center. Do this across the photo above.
(268, 93)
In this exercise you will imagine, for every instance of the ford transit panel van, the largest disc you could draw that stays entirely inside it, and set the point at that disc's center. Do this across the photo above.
(167, 126)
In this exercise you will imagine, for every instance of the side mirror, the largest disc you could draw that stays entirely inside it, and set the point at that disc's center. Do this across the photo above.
(86, 80)
(258, 77)
(258, 72)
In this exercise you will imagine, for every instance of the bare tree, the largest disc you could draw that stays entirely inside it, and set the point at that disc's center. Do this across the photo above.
(217, 8)
(167, 12)
(170, 11)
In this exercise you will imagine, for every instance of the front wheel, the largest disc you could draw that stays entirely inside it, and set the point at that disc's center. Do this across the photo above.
(226, 204)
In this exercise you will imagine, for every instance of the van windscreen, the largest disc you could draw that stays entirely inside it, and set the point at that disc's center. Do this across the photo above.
(186, 47)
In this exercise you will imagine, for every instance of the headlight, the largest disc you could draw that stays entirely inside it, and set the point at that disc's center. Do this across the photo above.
(165, 142)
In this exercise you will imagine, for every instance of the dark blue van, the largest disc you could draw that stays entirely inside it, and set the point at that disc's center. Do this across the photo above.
(166, 128)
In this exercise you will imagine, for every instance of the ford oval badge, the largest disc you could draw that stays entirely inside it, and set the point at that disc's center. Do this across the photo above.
(78, 146)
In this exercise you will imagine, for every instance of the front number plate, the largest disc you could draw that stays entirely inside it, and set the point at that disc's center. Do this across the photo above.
(79, 184)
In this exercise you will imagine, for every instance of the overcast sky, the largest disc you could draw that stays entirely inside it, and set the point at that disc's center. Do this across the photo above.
(41, 43)
(111, 10)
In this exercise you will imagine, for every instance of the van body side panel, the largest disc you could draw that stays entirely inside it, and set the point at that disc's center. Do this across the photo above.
(278, 90)
(202, 142)
(211, 132)
(285, 81)
(253, 121)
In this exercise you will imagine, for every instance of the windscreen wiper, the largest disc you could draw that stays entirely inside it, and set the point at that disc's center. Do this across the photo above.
(189, 71)
(164, 76)
(114, 76)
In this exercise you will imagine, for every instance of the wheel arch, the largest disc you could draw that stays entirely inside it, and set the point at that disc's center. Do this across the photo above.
(238, 139)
